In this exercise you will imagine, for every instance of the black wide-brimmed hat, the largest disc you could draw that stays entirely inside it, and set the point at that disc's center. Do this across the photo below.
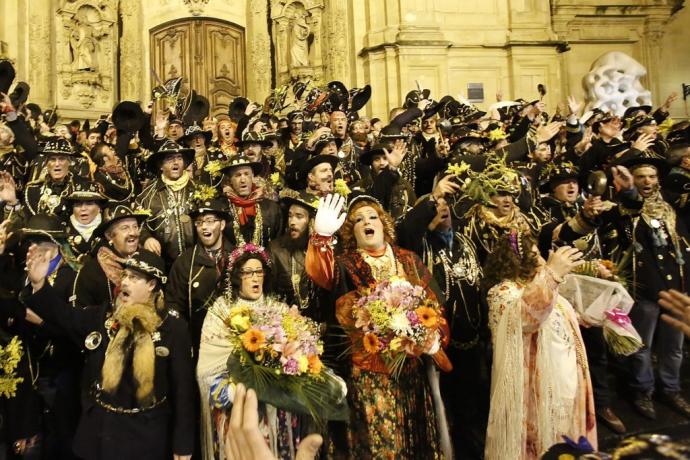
(57, 146)
(168, 148)
(149, 264)
(634, 159)
(89, 191)
(252, 138)
(20, 94)
(554, 173)
(116, 213)
(194, 131)
(326, 139)
(44, 227)
(632, 110)
(288, 197)
(367, 157)
(678, 180)
(316, 160)
(128, 116)
(211, 206)
(7, 75)
(239, 161)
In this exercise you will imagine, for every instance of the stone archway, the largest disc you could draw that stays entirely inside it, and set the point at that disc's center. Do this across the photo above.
(208, 53)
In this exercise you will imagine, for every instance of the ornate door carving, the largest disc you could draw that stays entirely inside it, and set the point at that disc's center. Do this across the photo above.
(209, 53)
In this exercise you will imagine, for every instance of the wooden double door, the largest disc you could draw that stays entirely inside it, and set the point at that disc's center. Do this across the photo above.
(208, 53)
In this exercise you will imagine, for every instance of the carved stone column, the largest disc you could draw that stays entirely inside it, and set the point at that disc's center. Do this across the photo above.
(85, 54)
(132, 74)
(336, 42)
(41, 57)
(258, 51)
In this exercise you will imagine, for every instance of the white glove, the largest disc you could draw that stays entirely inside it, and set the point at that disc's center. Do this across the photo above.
(330, 216)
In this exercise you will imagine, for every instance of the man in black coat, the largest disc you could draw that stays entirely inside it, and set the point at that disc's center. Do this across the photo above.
(255, 218)
(197, 277)
(138, 393)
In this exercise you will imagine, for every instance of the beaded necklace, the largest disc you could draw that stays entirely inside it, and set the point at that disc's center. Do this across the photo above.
(257, 236)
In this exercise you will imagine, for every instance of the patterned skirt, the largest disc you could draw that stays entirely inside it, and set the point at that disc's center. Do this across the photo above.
(392, 418)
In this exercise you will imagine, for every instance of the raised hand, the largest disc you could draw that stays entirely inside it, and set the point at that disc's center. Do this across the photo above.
(37, 262)
(644, 142)
(622, 178)
(8, 188)
(397, 154)
(574, 105)
(678, 304)
(564, 260)
(4, 235)
(446, 186)
(329, 216)
(669, 100)
(243, 439)
(546, 132)
(593, 206)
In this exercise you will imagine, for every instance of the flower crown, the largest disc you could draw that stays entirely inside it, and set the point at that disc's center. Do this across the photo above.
(250, 248)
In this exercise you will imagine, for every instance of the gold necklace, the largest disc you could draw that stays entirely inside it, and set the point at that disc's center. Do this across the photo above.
(257, 236)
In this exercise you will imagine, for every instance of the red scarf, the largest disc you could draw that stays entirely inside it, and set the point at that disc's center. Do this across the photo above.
(246, 207)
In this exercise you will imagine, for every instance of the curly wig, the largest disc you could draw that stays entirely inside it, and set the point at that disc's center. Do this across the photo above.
(347, 231)
(504, 263)
(236, 278)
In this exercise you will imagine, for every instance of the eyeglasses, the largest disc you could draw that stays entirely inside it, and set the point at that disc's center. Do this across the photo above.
(250, 273)
(201, 222)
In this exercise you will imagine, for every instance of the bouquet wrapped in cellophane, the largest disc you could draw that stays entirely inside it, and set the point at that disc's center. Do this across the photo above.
(277, 351)
(606, 304)
(396, 321)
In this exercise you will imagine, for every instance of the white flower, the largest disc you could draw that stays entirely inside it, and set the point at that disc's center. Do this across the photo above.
(400, 324)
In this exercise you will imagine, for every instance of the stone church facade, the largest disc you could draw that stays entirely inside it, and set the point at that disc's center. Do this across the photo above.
(82, 56)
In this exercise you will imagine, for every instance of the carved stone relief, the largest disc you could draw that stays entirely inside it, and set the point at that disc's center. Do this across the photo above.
(259, 50)
(297, 39)
(85, 44)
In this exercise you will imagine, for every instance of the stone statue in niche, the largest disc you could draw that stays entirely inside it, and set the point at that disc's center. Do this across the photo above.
(614, 83)
(83, 48)
(299, 43)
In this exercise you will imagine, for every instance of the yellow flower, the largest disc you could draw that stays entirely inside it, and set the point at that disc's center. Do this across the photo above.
(204, 193)
(497, 134)
(340, 187)
(458, 169)
(315, 364)
(253, 340)
(240, 322)
(371, 343)
(275, 178)
(395, 344)
(302, 363)
(427, 316)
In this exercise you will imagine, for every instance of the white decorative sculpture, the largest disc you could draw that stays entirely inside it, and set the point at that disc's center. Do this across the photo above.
(613, 83)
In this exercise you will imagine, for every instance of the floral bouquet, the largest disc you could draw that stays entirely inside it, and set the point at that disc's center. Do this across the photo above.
(606, 304)
(397, 320)
(277, 351)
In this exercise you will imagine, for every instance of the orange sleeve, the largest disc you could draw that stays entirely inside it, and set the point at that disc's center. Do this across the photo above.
(319, 262)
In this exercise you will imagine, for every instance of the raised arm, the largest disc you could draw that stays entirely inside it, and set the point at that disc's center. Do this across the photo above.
(320, 261)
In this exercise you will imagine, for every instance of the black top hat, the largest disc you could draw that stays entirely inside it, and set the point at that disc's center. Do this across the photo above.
(324, 140)
(198, 109)
(128, 116)
(630, 111)
(194, 131)
(168, 148)
(253, 138)
(636, 159)
(413, 97)
(211, 206)
(317, 159)
(359, 97)
(149, 264)
(554, 173)
(89, 191)
(44, 227)
(241, 160)
(57, 146)
(117, 213)
(20, 94)
(7, 75)
(367, 157)
(309, 202)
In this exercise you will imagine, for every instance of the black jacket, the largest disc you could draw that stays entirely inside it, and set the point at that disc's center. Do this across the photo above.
(272, 224)
(105, 433)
